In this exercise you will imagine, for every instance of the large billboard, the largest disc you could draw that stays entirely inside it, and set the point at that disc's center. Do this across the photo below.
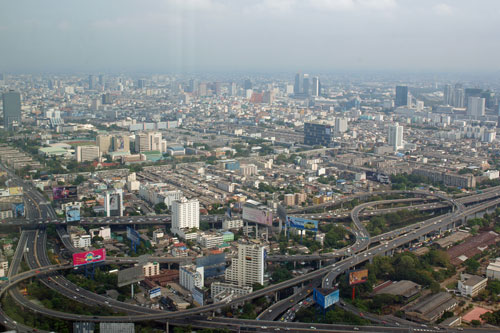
(326, 297)
(18, 209)
(89, 257)
(16, 190)
(72, 213)
(301, 224)
(63, 193)
(114, 204)
(133, 235)
(130, 275)
(258, 215)
(359, 276)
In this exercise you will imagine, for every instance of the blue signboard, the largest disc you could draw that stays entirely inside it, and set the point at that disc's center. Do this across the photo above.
(133, 235)
(72, 213)
(156, 292)
(301, 224)
(326, 299)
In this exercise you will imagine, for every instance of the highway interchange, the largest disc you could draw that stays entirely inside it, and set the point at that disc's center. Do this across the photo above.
(37, 260)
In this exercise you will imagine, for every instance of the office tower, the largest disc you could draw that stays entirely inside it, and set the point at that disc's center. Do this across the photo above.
(87, 153)
(103, 141)
(92, 82)
(142, 142)
(247, 84)
(217, 88)
(316, 86)
(306, 85)
(268, 97)
(50, 84)
(298, 88)
(185, 214)
(396, 136)
(193, 86)
(471, 92)
(2, 77)
(107, 99)
(101, 80)
(121, 143)
(489, 97)
(11, 109)
(476, 107)
(318, 134)
(340, 125)
(141, 83)
(401, 96)
(232, 89)
(459, 97)
(248, 268)
(448, 95)
(155, 140)
(202, 89)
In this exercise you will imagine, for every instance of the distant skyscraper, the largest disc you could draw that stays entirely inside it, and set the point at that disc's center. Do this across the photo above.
(306, 85)
(193, 86)
(232, 89)
(340, 125)
(316, 86)
(476, 107)
(141, 83)
(101, 80)
(401, 96)
(396, 136)
(107, 99)
(472, 92)
(91, 82)
(458, 96)
(448, 95)
(298, 87)
(11, 109)
(1, 77)
(247, 84)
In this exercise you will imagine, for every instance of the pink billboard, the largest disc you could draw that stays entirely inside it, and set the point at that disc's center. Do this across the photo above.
(258, 215)
(89, 257)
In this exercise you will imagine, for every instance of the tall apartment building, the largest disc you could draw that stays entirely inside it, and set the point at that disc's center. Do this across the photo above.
(191, 276)
(185, 214)
(248, 267)
(150, 141)
(104, 143)
(340, 125)
(395, 138)
(87, 153)
(476, 107)
(248, 169)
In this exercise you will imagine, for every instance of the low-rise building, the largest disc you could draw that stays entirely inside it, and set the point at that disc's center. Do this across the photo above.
(431, 307)
(493, 270)
(82, 241)
(470, 285)
(232, 224)
(209, 241)
(217, 288)
(151, 269)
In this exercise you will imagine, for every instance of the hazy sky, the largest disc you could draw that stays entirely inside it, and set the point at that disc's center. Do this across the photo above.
(258, 35)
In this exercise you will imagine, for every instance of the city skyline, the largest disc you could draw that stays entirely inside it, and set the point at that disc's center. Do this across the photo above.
(216, 35)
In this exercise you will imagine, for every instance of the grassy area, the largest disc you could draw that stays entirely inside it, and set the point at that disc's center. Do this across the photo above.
(387, 222)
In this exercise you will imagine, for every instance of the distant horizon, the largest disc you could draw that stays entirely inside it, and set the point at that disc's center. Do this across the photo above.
(187, 36)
